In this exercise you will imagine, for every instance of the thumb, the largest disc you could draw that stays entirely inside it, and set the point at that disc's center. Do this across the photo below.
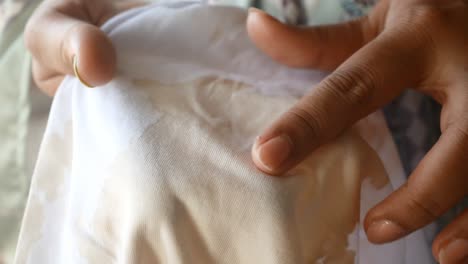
(57, 34)
(94, 54)
(319, 47)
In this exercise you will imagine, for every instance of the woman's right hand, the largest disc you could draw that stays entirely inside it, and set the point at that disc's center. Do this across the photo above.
(59, 30)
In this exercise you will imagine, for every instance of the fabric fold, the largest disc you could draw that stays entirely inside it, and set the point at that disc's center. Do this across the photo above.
(155, 166)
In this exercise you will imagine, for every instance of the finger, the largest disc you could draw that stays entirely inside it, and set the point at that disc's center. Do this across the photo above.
(451, 245)
(437, 184)
(55, 34)
(369, 79)
(47, 80)
(319, 47)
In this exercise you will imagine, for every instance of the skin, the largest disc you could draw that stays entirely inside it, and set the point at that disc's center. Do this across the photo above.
(61, 29)
(401, 43)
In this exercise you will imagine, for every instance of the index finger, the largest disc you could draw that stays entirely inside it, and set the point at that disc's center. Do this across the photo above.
(369, 79)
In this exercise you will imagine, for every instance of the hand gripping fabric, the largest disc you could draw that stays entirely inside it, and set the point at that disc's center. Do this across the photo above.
(155, 166)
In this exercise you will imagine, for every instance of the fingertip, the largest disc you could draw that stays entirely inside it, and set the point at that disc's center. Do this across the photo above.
(380, 225)
(268, 34)
(452, 241)
(384, 231)
(257, 15)
(96, 56)
(454, 252)
(259, 24)
(271, 155)
(254, 10)
(285, 44)
(258, 161)
(439, 242)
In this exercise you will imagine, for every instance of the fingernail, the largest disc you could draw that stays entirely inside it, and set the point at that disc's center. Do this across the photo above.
(77, 74)
(455, 252)
(384, 231)
(273, 153)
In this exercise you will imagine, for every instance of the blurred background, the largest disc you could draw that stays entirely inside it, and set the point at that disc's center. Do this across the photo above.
(23, 116)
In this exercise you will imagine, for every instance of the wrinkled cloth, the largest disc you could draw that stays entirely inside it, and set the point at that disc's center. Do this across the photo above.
(155, 166)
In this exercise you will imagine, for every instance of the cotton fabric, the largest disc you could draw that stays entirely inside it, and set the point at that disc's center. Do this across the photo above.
(155, 166)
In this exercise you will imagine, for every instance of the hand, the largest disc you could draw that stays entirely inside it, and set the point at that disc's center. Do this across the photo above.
(400, 44)
(59, 30)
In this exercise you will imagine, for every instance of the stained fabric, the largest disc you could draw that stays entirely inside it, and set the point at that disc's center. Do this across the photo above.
(155, 166)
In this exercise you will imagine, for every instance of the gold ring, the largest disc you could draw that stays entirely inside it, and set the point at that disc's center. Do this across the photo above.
(75, 70)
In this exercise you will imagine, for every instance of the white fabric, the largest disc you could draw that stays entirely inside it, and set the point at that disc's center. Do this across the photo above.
(155, 166)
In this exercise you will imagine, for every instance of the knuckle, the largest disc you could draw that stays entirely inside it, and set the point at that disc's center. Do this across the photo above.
(306, 121)
(424, 206)
(428, 16)
(458, 125)
(354, 87)
(461, 132)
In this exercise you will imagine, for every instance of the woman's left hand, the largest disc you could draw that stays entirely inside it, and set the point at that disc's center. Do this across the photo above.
(401, 43)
